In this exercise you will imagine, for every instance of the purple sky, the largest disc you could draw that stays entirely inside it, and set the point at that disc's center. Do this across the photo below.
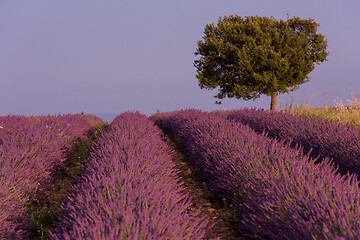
(116, 55)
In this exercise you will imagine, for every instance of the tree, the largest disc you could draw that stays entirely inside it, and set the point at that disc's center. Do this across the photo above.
(251, 56)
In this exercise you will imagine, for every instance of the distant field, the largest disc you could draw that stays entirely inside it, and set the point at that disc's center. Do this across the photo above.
(341, 113)
(349, 115)
(106, 117)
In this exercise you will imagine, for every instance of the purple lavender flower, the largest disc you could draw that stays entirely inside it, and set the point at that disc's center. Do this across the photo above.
(30, 148)
(130, 189)
(277, 191)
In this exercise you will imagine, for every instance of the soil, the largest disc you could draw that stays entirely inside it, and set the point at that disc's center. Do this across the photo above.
(221, 217)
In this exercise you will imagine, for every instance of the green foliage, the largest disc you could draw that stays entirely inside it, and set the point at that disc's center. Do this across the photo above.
(251, 56)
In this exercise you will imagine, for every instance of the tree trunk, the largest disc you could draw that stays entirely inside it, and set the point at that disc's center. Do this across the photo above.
(273, 101)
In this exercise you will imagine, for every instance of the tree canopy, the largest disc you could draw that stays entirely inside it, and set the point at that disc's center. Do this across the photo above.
(250, 56)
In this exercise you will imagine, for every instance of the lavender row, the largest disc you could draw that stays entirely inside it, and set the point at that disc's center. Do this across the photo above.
(30, 148)
(341, 142)
(277, 191)
(130, 189)
(70, 126)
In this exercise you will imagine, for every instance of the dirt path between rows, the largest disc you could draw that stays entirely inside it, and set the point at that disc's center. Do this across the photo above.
(220, 216)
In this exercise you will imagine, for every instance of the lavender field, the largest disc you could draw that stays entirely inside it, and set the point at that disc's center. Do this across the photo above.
(277, 175)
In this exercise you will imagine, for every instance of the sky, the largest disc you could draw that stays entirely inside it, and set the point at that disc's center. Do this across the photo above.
(112, 56)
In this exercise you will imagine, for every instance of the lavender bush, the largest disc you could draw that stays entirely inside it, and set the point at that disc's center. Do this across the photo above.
(30, 148)
(70, 126)
(130, 189)
(341, 142)
(278, 192)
